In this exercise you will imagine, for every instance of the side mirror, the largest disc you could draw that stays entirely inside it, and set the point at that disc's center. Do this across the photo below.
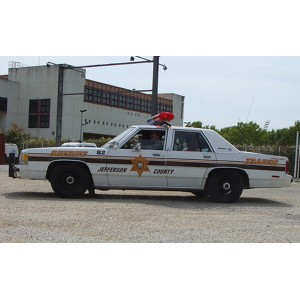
(113, 144)
(137, 148)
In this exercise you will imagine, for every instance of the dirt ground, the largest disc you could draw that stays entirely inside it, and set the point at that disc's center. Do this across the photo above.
(31, 212)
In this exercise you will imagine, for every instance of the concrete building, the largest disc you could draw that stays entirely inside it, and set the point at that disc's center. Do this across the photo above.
(33, 97)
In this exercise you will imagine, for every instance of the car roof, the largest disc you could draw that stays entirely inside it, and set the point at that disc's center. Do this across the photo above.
(174, 127)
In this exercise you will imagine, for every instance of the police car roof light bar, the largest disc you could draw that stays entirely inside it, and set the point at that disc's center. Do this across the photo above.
(161, 119)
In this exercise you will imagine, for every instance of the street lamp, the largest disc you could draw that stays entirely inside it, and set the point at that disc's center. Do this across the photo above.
(151, 61)
(81, 137)
(156, 64)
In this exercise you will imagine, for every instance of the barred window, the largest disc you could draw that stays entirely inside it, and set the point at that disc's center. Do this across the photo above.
(97, 96)
(122, 101)
(129, 103)
(106, 98)
(137, 104)
(114, 99)
(88, 94)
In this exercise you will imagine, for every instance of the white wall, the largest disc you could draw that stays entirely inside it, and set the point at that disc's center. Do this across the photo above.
(74, 81)
(115, 120)
(36, 83)
(9, 90)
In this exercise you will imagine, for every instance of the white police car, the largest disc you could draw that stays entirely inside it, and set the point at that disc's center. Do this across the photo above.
(153, 157)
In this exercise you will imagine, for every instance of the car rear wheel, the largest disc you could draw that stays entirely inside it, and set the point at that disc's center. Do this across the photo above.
(69, 180)
(225, 186)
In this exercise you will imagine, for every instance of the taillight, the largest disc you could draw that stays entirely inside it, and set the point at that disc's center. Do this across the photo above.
(287, 167)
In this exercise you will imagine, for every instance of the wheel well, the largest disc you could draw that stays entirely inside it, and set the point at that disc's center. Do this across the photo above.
(54, 164)
(241, 172)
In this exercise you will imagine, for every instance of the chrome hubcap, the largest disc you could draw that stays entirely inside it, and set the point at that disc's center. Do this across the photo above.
(70, 180)
(226, 186)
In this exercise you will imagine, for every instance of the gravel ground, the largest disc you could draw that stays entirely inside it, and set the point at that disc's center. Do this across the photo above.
(31, 213)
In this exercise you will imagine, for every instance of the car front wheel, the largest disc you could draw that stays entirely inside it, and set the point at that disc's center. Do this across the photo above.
(69, 180)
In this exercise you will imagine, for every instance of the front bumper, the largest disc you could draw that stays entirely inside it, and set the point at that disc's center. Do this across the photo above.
(13, 171)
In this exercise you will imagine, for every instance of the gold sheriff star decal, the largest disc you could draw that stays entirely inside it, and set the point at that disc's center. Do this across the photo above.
(140, 165)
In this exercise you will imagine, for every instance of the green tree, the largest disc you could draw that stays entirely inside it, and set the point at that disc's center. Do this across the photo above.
(195, 124)
(284, 136)
(245, 134)
(212, 127)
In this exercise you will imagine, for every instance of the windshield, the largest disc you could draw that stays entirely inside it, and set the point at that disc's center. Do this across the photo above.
(116, 141)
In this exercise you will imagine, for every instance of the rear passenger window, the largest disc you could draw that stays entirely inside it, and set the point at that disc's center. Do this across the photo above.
(190, 141)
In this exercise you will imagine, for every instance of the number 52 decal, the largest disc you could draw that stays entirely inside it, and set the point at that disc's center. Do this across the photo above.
(100, 152)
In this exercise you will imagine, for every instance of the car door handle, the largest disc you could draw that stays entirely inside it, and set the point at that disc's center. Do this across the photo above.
(206, 156)
(155, 154)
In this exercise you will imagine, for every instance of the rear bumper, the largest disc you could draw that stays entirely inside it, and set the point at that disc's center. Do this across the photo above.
(287, 180)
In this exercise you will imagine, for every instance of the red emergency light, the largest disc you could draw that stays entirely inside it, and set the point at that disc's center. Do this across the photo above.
(161, 118)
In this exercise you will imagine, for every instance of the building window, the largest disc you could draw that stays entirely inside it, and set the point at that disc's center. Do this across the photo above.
(3, 104)
(165, 105)
(88, 94)
(122, 102)
(114, 99)
(129, 103)
(39, 113)
(106, 98)
(137, 104)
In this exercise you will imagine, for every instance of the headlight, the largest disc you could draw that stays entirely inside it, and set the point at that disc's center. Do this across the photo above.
(23, 158)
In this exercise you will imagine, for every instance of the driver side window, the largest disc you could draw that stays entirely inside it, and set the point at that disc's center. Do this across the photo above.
(148, 139)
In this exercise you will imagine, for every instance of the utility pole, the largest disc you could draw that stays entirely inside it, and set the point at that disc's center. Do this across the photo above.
(81, 136)
(59, 104)
(297, 154)
(154, 108)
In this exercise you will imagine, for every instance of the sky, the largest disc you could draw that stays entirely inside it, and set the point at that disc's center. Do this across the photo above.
(218, 90)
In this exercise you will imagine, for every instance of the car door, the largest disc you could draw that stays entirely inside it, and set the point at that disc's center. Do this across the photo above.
(188, 159)
(137, 162)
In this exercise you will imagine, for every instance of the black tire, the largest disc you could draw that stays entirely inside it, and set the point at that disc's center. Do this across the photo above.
(69, 180)
(225, 186)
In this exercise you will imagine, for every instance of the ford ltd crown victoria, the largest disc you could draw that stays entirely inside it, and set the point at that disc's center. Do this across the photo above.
(156, 157)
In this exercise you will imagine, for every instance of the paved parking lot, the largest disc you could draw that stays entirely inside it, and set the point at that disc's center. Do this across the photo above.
(30, 212)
